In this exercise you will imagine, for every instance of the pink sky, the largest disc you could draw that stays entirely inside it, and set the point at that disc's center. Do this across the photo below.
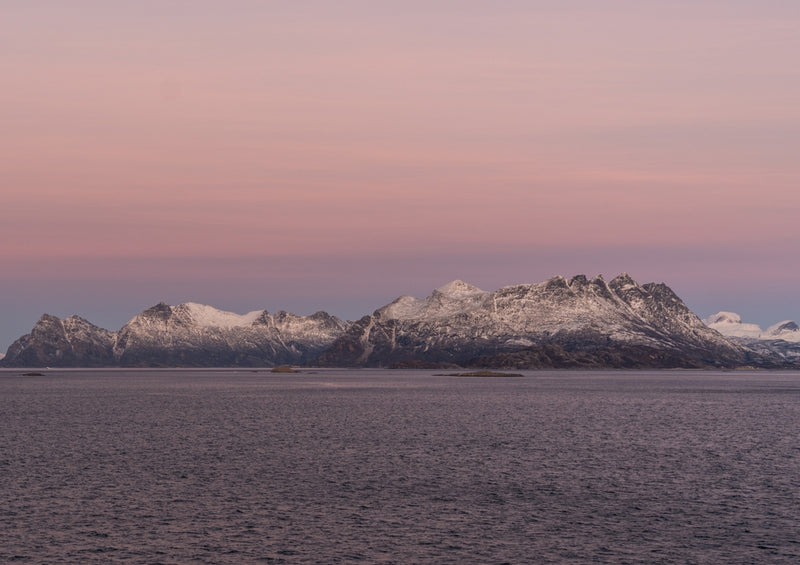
(307, 155)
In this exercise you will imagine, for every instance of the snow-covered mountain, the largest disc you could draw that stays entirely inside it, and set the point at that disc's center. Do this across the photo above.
(780, 340)
(730, 324)
(576, 322)
(62, 343)
(185, 335)
(560, 322)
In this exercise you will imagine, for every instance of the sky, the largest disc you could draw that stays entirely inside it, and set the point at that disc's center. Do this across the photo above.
(335, 155)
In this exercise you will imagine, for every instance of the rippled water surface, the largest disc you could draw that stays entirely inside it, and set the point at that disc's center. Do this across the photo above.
(399, 467)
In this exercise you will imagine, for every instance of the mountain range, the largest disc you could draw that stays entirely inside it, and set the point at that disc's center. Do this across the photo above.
(188, 335)
(730, 324)
(577, 322)
(781, 339)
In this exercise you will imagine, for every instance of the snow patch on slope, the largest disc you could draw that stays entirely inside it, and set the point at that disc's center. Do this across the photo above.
(404, 308)
(459, 290)
(209, 317)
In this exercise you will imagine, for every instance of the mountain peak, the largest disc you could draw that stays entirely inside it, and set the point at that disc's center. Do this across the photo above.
(578, 281)
(459, 289)
(786, 325)
(455, 296)
(160, 310)
(788, 330)
(556, 284)
(723, 318)
(622, 281)
(730, 324)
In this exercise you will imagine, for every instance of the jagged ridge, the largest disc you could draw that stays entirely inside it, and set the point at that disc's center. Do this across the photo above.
(577, 322)
(184, 335)
(560, 322)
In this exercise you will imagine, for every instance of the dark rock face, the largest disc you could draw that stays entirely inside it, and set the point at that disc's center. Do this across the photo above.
(578, 322)
(788, 326)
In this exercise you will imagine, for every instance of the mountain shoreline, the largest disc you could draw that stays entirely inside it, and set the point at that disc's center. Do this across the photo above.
(576, 323)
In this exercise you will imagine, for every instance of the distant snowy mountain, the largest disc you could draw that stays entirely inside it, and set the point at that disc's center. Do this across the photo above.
(575, 322)
(730, 324)
(185, 335)
(787, 330)
(781, 340)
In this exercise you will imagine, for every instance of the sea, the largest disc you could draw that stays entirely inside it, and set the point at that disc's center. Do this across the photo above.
(382, 466)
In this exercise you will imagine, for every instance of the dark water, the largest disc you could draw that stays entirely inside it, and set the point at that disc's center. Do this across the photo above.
(399, 467)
